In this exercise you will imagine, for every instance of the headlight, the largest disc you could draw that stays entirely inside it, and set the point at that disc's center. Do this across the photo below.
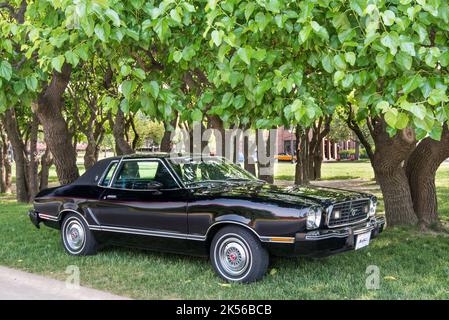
(372, 207)
(313, 218)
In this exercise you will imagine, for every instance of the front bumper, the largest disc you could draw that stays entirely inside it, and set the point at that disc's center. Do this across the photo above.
(325, 242)
(34, 217)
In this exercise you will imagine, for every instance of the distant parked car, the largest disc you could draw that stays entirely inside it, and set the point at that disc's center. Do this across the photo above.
(284, 157)
(204, 206)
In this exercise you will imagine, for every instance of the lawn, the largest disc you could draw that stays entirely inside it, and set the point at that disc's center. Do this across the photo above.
(412, 265)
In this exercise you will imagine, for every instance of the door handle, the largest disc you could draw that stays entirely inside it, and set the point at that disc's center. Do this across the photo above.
(110, 196)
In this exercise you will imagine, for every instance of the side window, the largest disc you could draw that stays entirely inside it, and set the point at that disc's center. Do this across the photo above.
(143, 175)
(109, 172)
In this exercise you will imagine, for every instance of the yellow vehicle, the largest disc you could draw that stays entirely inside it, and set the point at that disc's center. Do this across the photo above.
(284, 157)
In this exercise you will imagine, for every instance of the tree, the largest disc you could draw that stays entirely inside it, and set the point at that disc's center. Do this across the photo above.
(390, 59)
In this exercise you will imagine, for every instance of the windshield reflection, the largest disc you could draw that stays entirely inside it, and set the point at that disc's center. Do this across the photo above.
(194, 171)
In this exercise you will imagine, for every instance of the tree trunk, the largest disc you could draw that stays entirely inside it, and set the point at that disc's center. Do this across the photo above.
(90, 154)
(299, 158)
(357, 150)
(33, 161)
(12, 130)
(388, 165)
(6, 175)
(421, 170)
(118, 130)
(166, 143)
(57, 134)
(46, 162)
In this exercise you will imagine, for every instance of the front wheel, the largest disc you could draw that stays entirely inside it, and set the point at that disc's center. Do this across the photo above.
(77, 239)
(237, 255)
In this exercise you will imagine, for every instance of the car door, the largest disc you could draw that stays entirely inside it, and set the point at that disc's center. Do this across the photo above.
(143, 198)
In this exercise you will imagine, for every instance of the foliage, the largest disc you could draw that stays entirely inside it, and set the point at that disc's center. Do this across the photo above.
(148, 130)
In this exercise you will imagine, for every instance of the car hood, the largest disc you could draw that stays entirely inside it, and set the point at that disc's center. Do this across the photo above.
(306, 195)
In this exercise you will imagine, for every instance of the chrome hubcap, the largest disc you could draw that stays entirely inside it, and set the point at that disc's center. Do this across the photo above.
(74, 235)
(234, 256)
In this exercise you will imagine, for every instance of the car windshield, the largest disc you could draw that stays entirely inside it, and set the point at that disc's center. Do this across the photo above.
(198, 170)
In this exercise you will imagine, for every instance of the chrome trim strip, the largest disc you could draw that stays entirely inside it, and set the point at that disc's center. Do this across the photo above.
(48, 217)
(154, 233)
(147, 232)
(370, 226)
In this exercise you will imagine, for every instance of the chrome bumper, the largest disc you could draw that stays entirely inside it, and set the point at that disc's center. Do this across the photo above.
(376, 224)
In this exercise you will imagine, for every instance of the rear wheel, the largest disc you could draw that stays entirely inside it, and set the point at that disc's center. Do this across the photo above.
(77, 239)
(237, 255)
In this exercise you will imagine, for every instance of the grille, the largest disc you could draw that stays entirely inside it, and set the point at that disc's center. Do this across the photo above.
(350, 212)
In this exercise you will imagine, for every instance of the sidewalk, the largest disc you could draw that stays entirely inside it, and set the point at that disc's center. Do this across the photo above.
(19, 285)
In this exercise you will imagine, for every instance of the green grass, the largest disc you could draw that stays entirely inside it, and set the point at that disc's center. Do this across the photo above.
(340, 170)
(412, 265)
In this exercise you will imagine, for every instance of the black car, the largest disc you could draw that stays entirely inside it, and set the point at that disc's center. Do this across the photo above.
(204, 206)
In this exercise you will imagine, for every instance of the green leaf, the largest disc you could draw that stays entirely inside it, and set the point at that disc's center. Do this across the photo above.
(408, 47)
(245, 55)
(5, 70)
(259, 54)
(147, 105)
(339, 62)
(391, 41)
(417, 109)
(128, 87)
(339, 75)
(19, 87)
(350, 58)
(125, 70)
(444, 59)
(31, 83)
(437, 96)
(249, 9)
(436, 132)
(327, 63)
(391, 117)
(174, 14)
(217, 37)
(304, 33)
(412, 84)
(57, 62)
(382, 106)
(99, 31)
(177, 56)
(273, 6)
(388, 17)
(139, 73)
(152, 88)
(404, 60)
(197, 115)
(113, 16)
(401, 121)
(71, 58)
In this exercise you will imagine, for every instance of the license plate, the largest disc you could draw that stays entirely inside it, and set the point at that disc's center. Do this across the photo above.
(362, 240)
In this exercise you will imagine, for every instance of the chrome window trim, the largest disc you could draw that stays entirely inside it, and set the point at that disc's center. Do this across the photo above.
(103, 176)
(137, 160)
(330, 209)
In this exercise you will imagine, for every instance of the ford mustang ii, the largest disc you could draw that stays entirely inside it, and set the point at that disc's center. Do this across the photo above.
(204, 206)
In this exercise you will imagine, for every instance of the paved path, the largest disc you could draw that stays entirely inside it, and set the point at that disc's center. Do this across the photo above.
(19, 285)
